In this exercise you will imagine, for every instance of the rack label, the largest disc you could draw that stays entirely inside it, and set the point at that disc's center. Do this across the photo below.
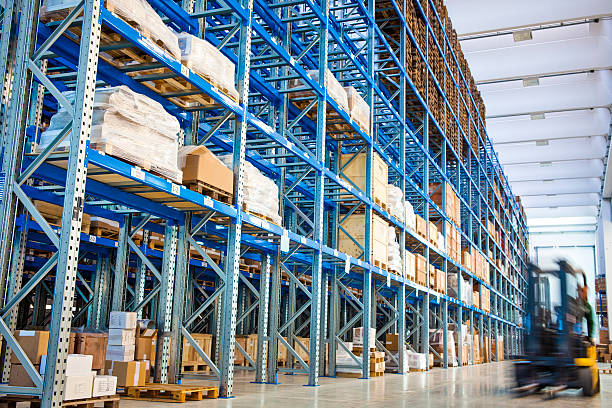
(184, 70)
(137, 173)
(176, 189)
(208, 201)
(388, 279)
(284, 242)
(347, 265)
(92, 239)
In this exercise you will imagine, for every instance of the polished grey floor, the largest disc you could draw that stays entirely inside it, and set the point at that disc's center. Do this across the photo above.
(474, 386)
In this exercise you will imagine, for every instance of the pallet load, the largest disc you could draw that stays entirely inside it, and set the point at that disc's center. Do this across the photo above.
(409, 266)
(209, 62)
(497, 348)
(480, 266)
(93, 343)
(400, 208)
(260, 193)
(354, 170)
(417, 361)
(346, 366)
(354, 226)
(205, 173)
(452, 207)
(420, 267)
(53, 215)
(137, 13)
(393, 354)
(485, 299)
(121, 350)
(359, 109)
(334, 89)
(103, 227)
(437, 343)
(420, 226)
(358, 338)
(34, 344)
(145, 344)
(192, 360)
(393, 253)
(129, 126)
(453, 243)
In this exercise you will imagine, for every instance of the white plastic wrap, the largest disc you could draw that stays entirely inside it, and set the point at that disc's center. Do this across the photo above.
(130, 126)
(393, 252)
(260, 193)
(441, 242)
(359, 108)
(137, 13)
(417, 361)
(208, 61)
(334, 89)
(410, 215)
(395, 201)
(437, 340)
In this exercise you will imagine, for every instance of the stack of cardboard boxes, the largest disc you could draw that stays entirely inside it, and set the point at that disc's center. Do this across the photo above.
(81, 380)
(121, 350)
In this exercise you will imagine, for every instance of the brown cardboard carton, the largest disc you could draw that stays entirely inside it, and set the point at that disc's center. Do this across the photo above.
(128, 373)
(93, 344)
(202, 165)
(144, 348)
(392, 341)
(34, 344)
(19, 377)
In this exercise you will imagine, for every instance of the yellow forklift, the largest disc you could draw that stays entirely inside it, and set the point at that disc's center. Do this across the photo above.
(557, 356)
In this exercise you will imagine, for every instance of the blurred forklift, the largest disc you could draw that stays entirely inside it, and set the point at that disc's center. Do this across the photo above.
(557, 355)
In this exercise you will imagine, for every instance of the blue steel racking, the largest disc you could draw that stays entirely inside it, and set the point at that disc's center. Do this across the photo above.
(295, 141)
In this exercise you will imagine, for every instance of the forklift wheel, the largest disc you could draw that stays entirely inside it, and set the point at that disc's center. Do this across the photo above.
(590, 385)
(523, 374)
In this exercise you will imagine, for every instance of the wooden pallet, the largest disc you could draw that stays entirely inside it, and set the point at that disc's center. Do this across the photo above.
(265, 217)
(381, 265)
(10, 401)
(194, 367)
(211, 191)
(104, 232)
(170, 392)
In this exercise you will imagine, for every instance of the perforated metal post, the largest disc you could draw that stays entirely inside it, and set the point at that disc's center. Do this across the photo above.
(262, 322)
(141, 275)
(72, 214)
(178, 302)
(232, 271)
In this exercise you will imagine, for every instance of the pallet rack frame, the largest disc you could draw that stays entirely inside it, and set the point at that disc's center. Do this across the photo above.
(347, 30)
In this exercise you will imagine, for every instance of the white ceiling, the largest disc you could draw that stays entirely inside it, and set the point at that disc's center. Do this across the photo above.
(548, 99)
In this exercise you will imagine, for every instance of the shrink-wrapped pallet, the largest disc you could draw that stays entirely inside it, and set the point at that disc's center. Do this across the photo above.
(393, 253)
(127, 125)
(334, 88)
(395, 201)
(260, 193)
(410, 215)
(209, 62)
(138, 13)
(359, 109)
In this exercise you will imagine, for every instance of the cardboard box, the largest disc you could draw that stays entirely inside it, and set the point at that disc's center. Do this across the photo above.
(122, 320)
(104, 385)
(120, 353)
(128, 373)
(119, 337)
(34, 344)
(392, 341)
(202, 165)
(19, 377)
(78, 364)
(78, 386)
(144, 348)
(358, 337)
(94, 344)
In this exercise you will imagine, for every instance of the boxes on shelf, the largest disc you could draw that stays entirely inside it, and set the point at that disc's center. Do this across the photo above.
(453, 205)
(119, 337)
(53, 215)
(358, 337)
(421, 226)
(128, 373)
(409, 265)
(358, 108)
(19, 377)
(392, 341)
(433, 232)
(354, 169)
(104, 227)
(209, 62)
(127, 125)
(190, 355)
(206, 173)
(137, 13)
(34, 344)
(334, 89)
(485, 299)
(260, 192)
(421, 269)
(104, 385)
(476, 297)
(145, 342)
(497, 348)
(466, 260)
(354, 225)
(94, 344)
(395, 202)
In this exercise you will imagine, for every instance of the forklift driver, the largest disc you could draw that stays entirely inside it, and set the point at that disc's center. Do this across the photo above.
(585, 308)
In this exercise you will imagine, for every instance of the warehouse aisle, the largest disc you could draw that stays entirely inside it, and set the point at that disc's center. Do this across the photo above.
(474, 386)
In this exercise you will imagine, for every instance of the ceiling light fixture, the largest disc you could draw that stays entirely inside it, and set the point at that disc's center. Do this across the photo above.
(541, 142)
(545, 163)
(523, 35)
(548, 181)
(531, 82)
(537, 116)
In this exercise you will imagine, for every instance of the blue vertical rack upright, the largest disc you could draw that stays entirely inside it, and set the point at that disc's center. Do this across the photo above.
(305, 295)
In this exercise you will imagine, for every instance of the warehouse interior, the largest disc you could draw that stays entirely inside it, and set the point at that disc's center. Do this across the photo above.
(306, 202)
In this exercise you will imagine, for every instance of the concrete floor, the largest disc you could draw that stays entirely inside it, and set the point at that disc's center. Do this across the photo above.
(474, 386)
